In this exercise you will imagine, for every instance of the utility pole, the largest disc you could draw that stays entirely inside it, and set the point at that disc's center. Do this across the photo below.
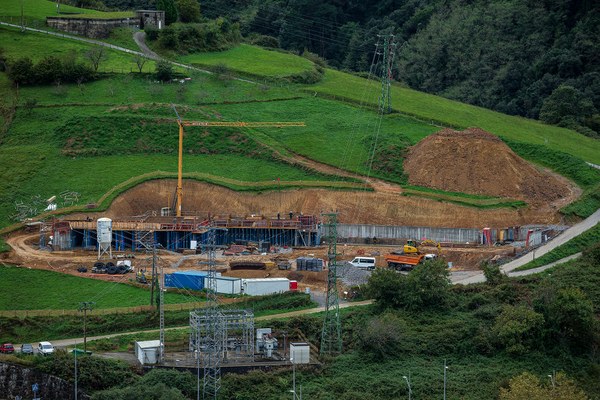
(445, 370)
(85, 307)
(389, 54)
(331, 335)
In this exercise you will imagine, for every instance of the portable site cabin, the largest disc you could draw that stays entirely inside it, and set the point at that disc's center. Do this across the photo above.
(264, 286)
(227, 285)
(147, 352)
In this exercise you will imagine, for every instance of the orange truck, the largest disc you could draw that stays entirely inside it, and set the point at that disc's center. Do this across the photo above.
(403, 262)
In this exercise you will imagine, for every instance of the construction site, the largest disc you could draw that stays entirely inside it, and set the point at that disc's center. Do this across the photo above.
(191, 235)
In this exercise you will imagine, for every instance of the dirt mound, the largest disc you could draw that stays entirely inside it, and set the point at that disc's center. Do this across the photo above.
(475, 161)
(358, 207)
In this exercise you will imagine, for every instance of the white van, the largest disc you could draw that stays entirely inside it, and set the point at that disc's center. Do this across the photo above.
(363, 262)
(45, 348)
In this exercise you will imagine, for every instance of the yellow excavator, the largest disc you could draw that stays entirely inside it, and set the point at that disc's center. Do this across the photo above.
(413, 246)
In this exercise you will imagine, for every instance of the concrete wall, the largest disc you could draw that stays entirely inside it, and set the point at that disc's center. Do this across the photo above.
(397, 234)
(16, 381)
(92, 28)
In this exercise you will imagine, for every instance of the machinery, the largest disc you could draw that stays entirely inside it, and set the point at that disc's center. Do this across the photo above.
(181, 123)
(406, 262)
(414, 247)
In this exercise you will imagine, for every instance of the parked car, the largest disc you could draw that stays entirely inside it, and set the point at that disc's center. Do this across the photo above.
(45, 348)
(26, 348)
(367, 263)
(7, 348)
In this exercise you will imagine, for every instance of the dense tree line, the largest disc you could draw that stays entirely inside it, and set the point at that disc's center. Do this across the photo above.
(518, 57)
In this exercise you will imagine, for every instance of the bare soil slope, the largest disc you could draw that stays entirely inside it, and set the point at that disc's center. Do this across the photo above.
(379, 208)
(475, 161)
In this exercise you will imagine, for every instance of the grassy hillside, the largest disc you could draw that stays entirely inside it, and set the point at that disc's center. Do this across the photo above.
(109, 130)
(37, 46)
(252, 60)
(37, 10)
(66, 291)
(452, 113)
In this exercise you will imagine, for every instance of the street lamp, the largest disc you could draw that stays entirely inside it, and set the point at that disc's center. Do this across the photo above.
(293, 391)
(407, 379)
(445, 369)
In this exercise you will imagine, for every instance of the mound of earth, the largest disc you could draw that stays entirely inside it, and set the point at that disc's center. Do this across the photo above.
(478, 162)
(354, 207)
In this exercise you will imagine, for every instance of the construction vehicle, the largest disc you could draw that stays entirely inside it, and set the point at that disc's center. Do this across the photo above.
(240, 124)
(414, 247)
(406, 262)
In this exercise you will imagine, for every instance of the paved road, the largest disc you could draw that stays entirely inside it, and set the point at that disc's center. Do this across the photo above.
(467, 277)
(71, 342)
(140, 40)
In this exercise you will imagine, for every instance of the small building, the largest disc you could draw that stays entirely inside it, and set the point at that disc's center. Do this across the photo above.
(152, 18)
(147, 352)
(299, 353)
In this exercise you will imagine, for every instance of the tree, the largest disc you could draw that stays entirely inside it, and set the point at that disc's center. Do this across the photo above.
(569, 316)
(48, 70)
(140, 61)
(517, 328)
(21, 71)
(96, 55)
(164, 71)
(188, 10)
(528, 386)
(385, 287)
(566, 106)
(493, 274)
(428, 285)
(168, 6)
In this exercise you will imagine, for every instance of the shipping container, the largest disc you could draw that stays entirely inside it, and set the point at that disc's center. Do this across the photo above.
(293, 286)
(227, 285)
(193, 280)
(259, 287)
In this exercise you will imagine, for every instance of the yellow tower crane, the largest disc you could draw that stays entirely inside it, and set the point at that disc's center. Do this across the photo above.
(240, 124)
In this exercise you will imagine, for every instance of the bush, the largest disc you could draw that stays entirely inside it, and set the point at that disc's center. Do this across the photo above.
(215, 35)
(49, 70)
(518, 329)
(382, 335)
(265, 41)
(151, 33)
(164, 71)
(21, 71)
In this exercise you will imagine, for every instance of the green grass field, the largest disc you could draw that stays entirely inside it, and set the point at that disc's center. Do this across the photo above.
(37, 46)
(40, 290)
(252, 60)
(38, 9)
(90, 14)
(436, 109)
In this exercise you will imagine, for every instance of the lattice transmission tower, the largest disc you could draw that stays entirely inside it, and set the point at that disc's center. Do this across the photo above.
(388, 51)
(331, 336)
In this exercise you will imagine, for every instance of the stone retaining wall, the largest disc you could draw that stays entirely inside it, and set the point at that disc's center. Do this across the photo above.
(92, 28)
